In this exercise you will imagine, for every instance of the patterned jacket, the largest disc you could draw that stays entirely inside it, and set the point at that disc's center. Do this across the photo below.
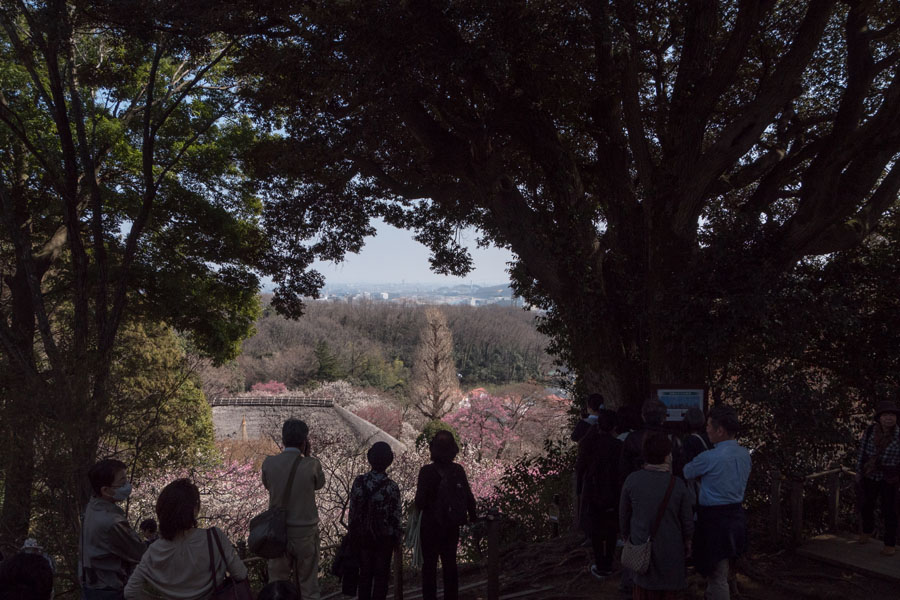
(375, 506)
(867, 449)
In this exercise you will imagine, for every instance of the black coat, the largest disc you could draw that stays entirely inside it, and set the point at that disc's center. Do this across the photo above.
(597, 466)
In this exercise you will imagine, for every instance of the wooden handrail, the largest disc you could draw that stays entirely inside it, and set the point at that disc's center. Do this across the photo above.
(796, 483)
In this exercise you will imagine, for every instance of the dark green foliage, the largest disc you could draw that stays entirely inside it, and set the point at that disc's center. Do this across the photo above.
(650, 165)
(329, 368)
(807, 377)
(527, 489)
(374, 343)
(430, 430)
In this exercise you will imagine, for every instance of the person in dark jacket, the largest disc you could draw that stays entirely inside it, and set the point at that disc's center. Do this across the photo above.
(375, 526)
(26, 576)
(653, 413)
(597, 466)
(593, 405)
(442, 491)
(697, 440)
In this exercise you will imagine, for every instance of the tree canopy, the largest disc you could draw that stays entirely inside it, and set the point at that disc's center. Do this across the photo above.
(655, 167)
(122, 196)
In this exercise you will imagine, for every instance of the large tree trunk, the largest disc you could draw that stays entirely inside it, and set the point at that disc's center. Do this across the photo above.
(20, 418)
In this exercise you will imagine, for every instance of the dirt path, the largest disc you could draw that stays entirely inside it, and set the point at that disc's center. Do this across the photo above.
(562, 565)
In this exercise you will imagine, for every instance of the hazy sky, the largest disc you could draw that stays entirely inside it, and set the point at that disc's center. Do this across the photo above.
(392, 256)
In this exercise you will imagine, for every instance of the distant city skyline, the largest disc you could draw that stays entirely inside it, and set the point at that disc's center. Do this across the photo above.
(393, 256)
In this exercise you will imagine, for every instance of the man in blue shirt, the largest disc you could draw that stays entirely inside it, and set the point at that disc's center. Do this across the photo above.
(721, 532)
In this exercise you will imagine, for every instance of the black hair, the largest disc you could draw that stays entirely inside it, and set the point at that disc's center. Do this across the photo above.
(443, 447)
(725, 417)
(653, 412)
(103, 473)
(595, 401)
(628, 418)
(148, 525)
(294, 433)
(26, 576)
(694, 419)
(175, 508)
(656, 447)
(380, 456)
(606, 420)
(279, 590)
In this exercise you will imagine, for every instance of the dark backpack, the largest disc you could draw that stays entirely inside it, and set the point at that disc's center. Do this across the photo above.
(450, 507)
(368, 525)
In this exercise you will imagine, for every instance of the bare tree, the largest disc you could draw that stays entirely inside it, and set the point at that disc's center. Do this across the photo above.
(434, 385)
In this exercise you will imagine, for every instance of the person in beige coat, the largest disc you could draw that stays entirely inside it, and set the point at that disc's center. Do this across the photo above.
(302, 556)
(177, 566)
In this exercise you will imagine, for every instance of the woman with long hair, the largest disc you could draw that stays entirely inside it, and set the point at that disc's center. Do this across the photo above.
(177, 566)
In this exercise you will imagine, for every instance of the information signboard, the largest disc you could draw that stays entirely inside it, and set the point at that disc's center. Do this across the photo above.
(679, 399)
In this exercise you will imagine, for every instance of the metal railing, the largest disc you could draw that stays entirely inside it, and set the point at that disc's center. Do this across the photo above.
(307, 401)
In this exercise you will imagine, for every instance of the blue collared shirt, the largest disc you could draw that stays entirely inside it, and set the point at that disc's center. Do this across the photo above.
(723, 473)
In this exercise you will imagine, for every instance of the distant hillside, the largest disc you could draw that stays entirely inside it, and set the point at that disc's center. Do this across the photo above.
(373, 343)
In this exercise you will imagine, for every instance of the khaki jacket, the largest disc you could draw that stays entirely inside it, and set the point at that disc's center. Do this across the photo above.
(302, 511)
(109, 546)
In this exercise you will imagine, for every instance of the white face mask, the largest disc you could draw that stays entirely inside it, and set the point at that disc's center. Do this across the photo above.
(122, 492)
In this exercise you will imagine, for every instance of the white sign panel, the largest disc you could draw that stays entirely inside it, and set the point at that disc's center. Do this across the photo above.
(678, 401)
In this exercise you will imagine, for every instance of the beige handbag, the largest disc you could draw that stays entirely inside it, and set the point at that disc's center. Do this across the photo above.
(636, 557)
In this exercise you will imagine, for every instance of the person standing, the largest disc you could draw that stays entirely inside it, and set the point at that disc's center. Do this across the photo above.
(109, 547)
(655, 497)
(593, 405)
(721, 523)
(878, 474)
(597, 466)
(301, 560)
(375, 523)
(149, 531)
(445, 498)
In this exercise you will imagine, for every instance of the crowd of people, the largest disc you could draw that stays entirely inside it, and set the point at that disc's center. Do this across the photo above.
(680, 491)
(174, 558)
(636, 483)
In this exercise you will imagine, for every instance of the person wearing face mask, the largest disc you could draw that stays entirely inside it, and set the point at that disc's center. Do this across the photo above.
(878, 474)
(186, 562)
(109, 547)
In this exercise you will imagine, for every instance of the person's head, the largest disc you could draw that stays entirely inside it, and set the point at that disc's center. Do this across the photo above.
(380, 456)
(627, 418)
(722, 424)
(653, 412)
(886, 413)
(594, 403)
(177, 508)
(294, 434)
(694, 420)
(657, 449)
(443, 447)
(606, 420)
(148, 528)
(26, 576)
(279, 590)
(109, 480)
